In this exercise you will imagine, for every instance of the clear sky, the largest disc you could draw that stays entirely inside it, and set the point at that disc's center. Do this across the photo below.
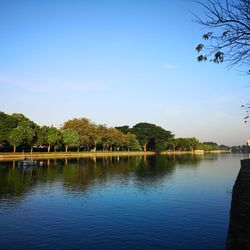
(117, 63)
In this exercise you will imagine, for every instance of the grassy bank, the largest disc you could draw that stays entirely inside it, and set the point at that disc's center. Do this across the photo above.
(52, 155)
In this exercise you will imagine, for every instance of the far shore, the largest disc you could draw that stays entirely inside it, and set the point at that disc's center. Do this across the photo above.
(51, 155)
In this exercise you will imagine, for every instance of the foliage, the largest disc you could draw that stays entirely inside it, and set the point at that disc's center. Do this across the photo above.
(18, 130)
(84, 128)
(7, 123)
(15, 137)
(22, 134)
(118, 138)
(42, 136)
(96, 135)
(247, 109)
(228, 38)
(152, 137)
(224, 147)
(124, 129)
(186, 144)
(160, 139)
(70, 138)
(207, 146)
(54, 137)
(132, 143)
(142, 132)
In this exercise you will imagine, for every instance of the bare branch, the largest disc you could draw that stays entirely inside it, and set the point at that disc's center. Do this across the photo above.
(230, 39)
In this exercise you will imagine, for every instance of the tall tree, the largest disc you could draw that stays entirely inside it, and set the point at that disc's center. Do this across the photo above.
(96, 135)
(15, 138)
(70, 138)
(132, 143)
(22, 134)
(84, 128)
(7, 123)
(42, 136)
(142, 132)
(153, 136)
(54, 137)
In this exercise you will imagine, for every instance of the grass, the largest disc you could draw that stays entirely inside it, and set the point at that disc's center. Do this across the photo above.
(37, 155)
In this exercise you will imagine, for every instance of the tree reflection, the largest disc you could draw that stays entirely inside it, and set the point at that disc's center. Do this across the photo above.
(81, 174)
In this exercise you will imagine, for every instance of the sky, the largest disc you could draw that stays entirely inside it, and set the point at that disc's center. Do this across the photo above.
(117, 63)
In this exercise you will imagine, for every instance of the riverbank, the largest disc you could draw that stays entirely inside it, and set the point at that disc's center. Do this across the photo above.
(51, 155)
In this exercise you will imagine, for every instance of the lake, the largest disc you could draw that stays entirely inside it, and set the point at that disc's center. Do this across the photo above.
(166, 202)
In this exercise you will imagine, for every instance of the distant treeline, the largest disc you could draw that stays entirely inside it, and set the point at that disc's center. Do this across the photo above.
(18, 133)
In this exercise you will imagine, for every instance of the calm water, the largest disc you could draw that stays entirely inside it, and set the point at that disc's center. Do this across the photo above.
(179, 202)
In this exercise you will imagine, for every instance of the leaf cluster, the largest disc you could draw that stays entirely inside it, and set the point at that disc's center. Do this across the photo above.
(228, 38)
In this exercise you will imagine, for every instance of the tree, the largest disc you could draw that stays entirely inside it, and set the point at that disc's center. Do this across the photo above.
(160, 139)
(22, 134)
(224, 147)
(84, 127)
(42, 136)
(54, 137)
(124, 129)
(96, 135)
(152, 137)
(15, 138)
(193, 143)
(210, 146)
(132, 143)
(186, 144)
(142, 132)
(106, 139)
(7, 123)
(70, 138)
(229, 32)
(20, 118)
(116, 138)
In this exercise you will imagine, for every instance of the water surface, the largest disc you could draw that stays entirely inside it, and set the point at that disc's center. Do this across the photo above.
(167, 202)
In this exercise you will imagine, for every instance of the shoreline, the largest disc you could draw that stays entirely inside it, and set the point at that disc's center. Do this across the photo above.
(46, 155)
(53, 155)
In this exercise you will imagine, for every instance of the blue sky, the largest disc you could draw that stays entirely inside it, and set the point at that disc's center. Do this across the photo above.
(117, 62)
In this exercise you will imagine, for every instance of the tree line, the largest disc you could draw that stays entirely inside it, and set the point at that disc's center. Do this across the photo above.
(18, 132)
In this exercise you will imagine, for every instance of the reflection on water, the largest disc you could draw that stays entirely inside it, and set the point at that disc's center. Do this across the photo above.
(79, 174)
(164, 202)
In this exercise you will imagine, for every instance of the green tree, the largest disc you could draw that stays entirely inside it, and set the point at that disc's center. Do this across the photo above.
(124, 129)
(22, 134)
(116, 139)
(210, 146)
(54, 137)
(186, 144)
(42, 136)
(70, 138)
(96, 134)
(7, 123)
(160, 138)
(153, 136)
(84, 127)
(143, 133)
(105, 138)
(15, 138)
(132, 143)
(224, 147)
